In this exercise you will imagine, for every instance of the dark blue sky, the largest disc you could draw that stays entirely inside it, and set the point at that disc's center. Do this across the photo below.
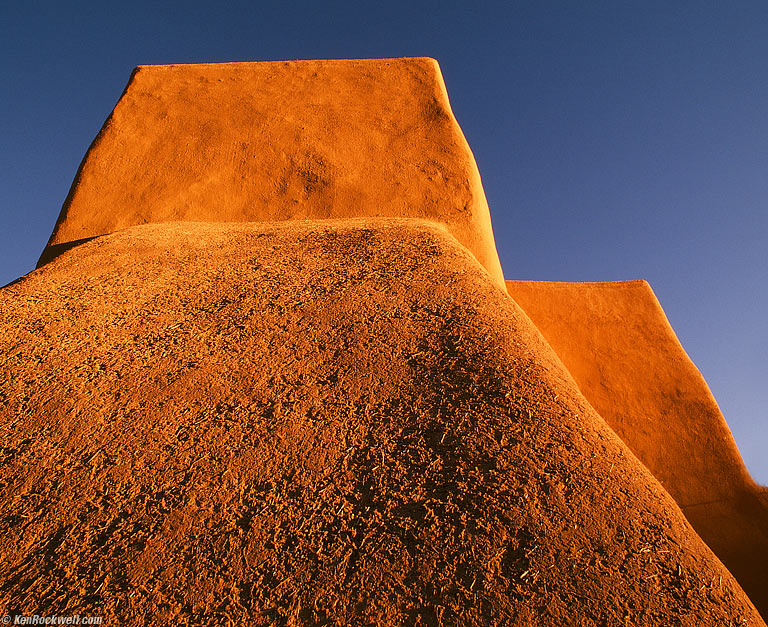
(616, 140)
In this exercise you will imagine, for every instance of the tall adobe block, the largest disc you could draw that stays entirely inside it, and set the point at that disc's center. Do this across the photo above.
(274, 141)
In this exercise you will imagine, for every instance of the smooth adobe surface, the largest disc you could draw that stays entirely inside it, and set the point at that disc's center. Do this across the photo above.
(616, 341)
(242, 142)
(324, 422)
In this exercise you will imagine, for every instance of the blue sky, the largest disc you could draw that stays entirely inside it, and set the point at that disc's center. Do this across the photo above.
(616, 140)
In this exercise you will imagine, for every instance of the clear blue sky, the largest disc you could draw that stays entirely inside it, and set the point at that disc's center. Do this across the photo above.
(616, 140)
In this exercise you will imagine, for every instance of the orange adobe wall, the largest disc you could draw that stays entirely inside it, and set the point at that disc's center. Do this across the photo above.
(250, 142)
(617, 343)
(294, 396)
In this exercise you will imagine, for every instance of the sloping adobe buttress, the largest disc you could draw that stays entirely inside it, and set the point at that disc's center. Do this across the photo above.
(617, 343)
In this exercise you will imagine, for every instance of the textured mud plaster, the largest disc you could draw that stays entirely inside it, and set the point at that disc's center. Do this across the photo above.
(245, 142)
(331, 422)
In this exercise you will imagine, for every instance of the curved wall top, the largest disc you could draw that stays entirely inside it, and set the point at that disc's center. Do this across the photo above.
(241, 142)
